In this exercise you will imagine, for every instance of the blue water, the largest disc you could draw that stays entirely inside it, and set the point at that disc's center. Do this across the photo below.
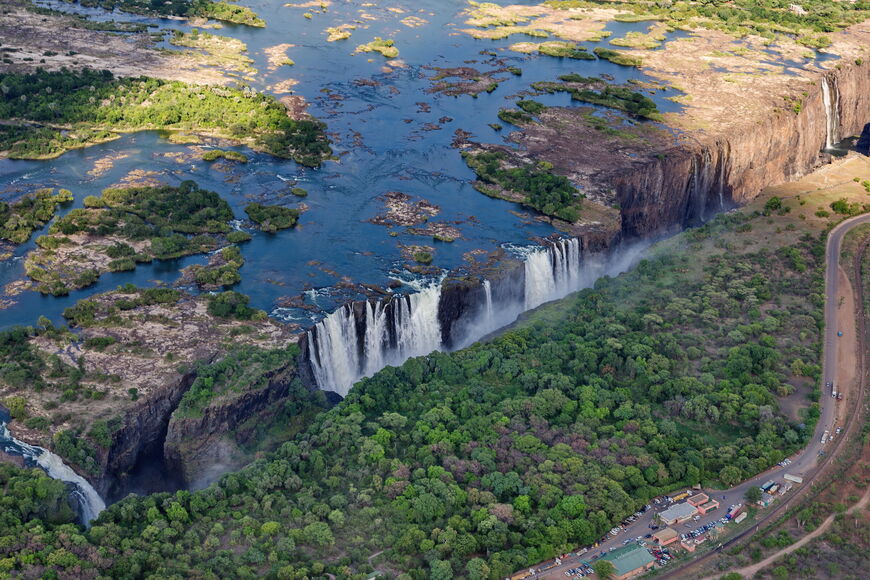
(377, 151)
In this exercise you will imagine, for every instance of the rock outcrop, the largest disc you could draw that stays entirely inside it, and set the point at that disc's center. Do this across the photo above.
(200, 449)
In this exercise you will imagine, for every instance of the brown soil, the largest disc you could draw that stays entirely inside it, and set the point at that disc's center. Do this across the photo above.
(124, 55)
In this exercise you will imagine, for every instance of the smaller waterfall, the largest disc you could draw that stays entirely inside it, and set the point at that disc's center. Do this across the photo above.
(88, 499)
(91, 502)
(488, 312)
(831, 101)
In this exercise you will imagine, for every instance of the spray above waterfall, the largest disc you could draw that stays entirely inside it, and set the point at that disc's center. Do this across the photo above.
(360, 338)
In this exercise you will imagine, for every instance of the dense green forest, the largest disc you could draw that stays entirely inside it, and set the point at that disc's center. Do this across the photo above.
(92, 104)
(220, 10)
(271, 218)
(480, 462)
(30, 494)
(162, 222)
(20, 219)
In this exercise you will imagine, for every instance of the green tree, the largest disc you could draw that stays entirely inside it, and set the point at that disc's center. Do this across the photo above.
(729, 475)
(752, 495)
(604, 569)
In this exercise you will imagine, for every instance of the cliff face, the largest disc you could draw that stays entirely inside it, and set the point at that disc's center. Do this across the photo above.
(201, 449)
(691, 181)
(141, 435)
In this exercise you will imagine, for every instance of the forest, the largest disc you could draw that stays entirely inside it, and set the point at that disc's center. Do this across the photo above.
(171, 221)
(20, 219)
(94, 104)
(477, 463)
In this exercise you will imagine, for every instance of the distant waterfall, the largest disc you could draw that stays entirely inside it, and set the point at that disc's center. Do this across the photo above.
(90, 502)
(831, 101)
(488, 311)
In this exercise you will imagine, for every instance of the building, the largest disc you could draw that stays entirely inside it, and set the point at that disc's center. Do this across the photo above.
(678, 513)
(666, 536)
(630, 561)
(708, 507)
(698, 499)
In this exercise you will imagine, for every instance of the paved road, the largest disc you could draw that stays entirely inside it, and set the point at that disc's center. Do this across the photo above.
(805, 462)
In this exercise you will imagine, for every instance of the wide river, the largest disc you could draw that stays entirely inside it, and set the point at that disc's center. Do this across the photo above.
(389, 134)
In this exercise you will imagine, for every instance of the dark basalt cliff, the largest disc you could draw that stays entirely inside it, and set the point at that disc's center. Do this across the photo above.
(693, 180)
(140, 436)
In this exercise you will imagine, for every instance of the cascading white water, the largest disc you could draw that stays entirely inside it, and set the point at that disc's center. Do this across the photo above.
(552, 272)
(334, 345)
(831, 101)
(418, 331)
(90, 501)
(488, 311)
(408, 325)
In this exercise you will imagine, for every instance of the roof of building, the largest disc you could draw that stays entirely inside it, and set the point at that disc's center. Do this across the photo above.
(678, 511)
(711, 503)
(629, 559)
(698, 499)
(665, 535)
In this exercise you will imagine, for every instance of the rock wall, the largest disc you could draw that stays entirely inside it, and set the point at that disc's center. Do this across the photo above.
(141, 435)
(693, 180)
(202, 449)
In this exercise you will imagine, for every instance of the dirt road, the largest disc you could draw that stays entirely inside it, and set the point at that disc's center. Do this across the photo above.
(750, 571)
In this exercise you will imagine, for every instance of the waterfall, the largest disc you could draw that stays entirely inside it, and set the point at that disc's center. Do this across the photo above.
(488, 312)
(402, 328)
(831, 101)
(90, 502)
(552, 273)
(333, 346)
(358, 340)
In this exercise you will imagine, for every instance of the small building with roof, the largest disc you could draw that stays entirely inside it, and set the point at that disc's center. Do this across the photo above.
(708, 507)
(698, 499)
(630, 561)
(678, 513)
(666, 536)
